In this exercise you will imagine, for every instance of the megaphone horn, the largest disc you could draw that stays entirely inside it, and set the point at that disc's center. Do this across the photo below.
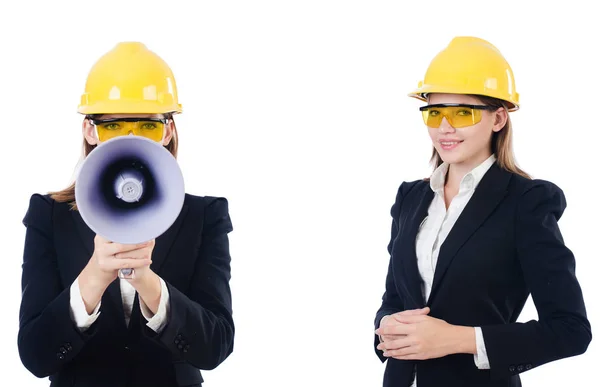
(129, 190)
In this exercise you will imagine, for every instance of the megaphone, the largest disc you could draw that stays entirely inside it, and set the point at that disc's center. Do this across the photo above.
(129, 190)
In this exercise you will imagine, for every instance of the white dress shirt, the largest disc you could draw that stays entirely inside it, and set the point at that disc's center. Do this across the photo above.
(435, 228)
(156, 322)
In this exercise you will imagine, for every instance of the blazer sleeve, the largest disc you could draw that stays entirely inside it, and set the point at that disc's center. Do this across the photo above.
(391, 302)
(47, 337)
(548, 266)
(200, 327)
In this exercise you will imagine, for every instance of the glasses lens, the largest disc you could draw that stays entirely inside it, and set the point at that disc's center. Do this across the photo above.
(150, 129)
(457, 116)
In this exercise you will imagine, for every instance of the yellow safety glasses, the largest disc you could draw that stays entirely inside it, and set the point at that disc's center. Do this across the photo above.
(151, 128)
(457, 115)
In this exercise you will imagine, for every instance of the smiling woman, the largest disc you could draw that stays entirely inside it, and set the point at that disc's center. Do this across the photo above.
(473, 241)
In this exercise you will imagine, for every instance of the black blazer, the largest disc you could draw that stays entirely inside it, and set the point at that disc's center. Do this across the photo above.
(505, 245)
(192, 257)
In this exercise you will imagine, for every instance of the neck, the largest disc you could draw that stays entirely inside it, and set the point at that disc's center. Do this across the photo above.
(457, 171)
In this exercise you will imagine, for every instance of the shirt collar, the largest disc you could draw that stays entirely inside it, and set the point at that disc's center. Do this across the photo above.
(468, 182)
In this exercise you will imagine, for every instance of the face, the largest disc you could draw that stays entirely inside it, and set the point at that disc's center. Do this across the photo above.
(107, 126)
(468, 145)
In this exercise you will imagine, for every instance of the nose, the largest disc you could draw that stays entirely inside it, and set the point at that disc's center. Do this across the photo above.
(445, 126)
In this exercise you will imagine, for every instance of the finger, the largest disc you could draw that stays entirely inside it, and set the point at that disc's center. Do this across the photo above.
(395, 329)
(399, 343)
(408, 319)
(127, 264)
(114, 248)
(409, 350)
(413, 312)
(391, 337)
(404, 353)
(142, 253)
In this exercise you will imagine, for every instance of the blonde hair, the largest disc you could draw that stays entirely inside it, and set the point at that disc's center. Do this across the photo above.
(67, 195)
(502, 146)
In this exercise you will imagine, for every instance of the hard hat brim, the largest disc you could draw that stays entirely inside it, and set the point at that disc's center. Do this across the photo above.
(421, 94)
(128, 107)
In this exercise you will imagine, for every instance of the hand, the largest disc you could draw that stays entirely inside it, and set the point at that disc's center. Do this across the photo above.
(388, 321)
(109, 257)
(103, 266)
(143, 271)
(421, 337)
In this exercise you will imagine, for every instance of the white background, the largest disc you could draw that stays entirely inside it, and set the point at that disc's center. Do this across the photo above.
(297, 113)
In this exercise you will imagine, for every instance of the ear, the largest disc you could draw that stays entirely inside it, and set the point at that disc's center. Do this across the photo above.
(169, 129)
(500, 118)
(89, 132)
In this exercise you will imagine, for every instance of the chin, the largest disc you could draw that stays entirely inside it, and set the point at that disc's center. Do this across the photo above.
(450, 157)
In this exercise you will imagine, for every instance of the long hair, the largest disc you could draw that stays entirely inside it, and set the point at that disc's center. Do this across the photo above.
(502, 146)
(67, 195)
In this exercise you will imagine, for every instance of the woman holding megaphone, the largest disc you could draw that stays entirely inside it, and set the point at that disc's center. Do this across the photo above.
(125, 276)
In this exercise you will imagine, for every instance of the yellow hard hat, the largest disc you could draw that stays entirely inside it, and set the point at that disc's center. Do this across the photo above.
(130, 79)
(470, 65)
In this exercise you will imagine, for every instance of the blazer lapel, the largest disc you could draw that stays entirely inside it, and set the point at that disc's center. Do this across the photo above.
(487, 196)
(165, 241)
(416, 211)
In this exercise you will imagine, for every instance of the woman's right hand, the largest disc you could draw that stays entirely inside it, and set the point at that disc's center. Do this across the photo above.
(105, 264)
(103, 267)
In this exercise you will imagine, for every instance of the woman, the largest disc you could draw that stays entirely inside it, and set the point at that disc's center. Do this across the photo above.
(82, 325)
(469, 244)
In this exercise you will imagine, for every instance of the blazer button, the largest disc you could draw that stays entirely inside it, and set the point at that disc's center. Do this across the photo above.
(177, 341)
(511, 368)
(62, 350)
(60, 356)
(180, 346)
(528, 367)
(68, 346)
(520, 368)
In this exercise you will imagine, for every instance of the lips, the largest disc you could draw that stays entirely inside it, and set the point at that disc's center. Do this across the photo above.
(450, 144)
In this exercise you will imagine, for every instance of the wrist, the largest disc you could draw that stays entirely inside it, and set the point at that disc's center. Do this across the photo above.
(91, 288)
(94, 278)
(462, 339)
(149, 289)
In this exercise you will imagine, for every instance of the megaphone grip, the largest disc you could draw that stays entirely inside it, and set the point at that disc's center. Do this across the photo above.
(126, 273)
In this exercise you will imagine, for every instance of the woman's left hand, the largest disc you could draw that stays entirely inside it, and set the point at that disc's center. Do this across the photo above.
(145, 252)
(422, 337)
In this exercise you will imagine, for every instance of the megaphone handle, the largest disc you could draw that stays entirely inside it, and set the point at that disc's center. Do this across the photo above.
(126, 273)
